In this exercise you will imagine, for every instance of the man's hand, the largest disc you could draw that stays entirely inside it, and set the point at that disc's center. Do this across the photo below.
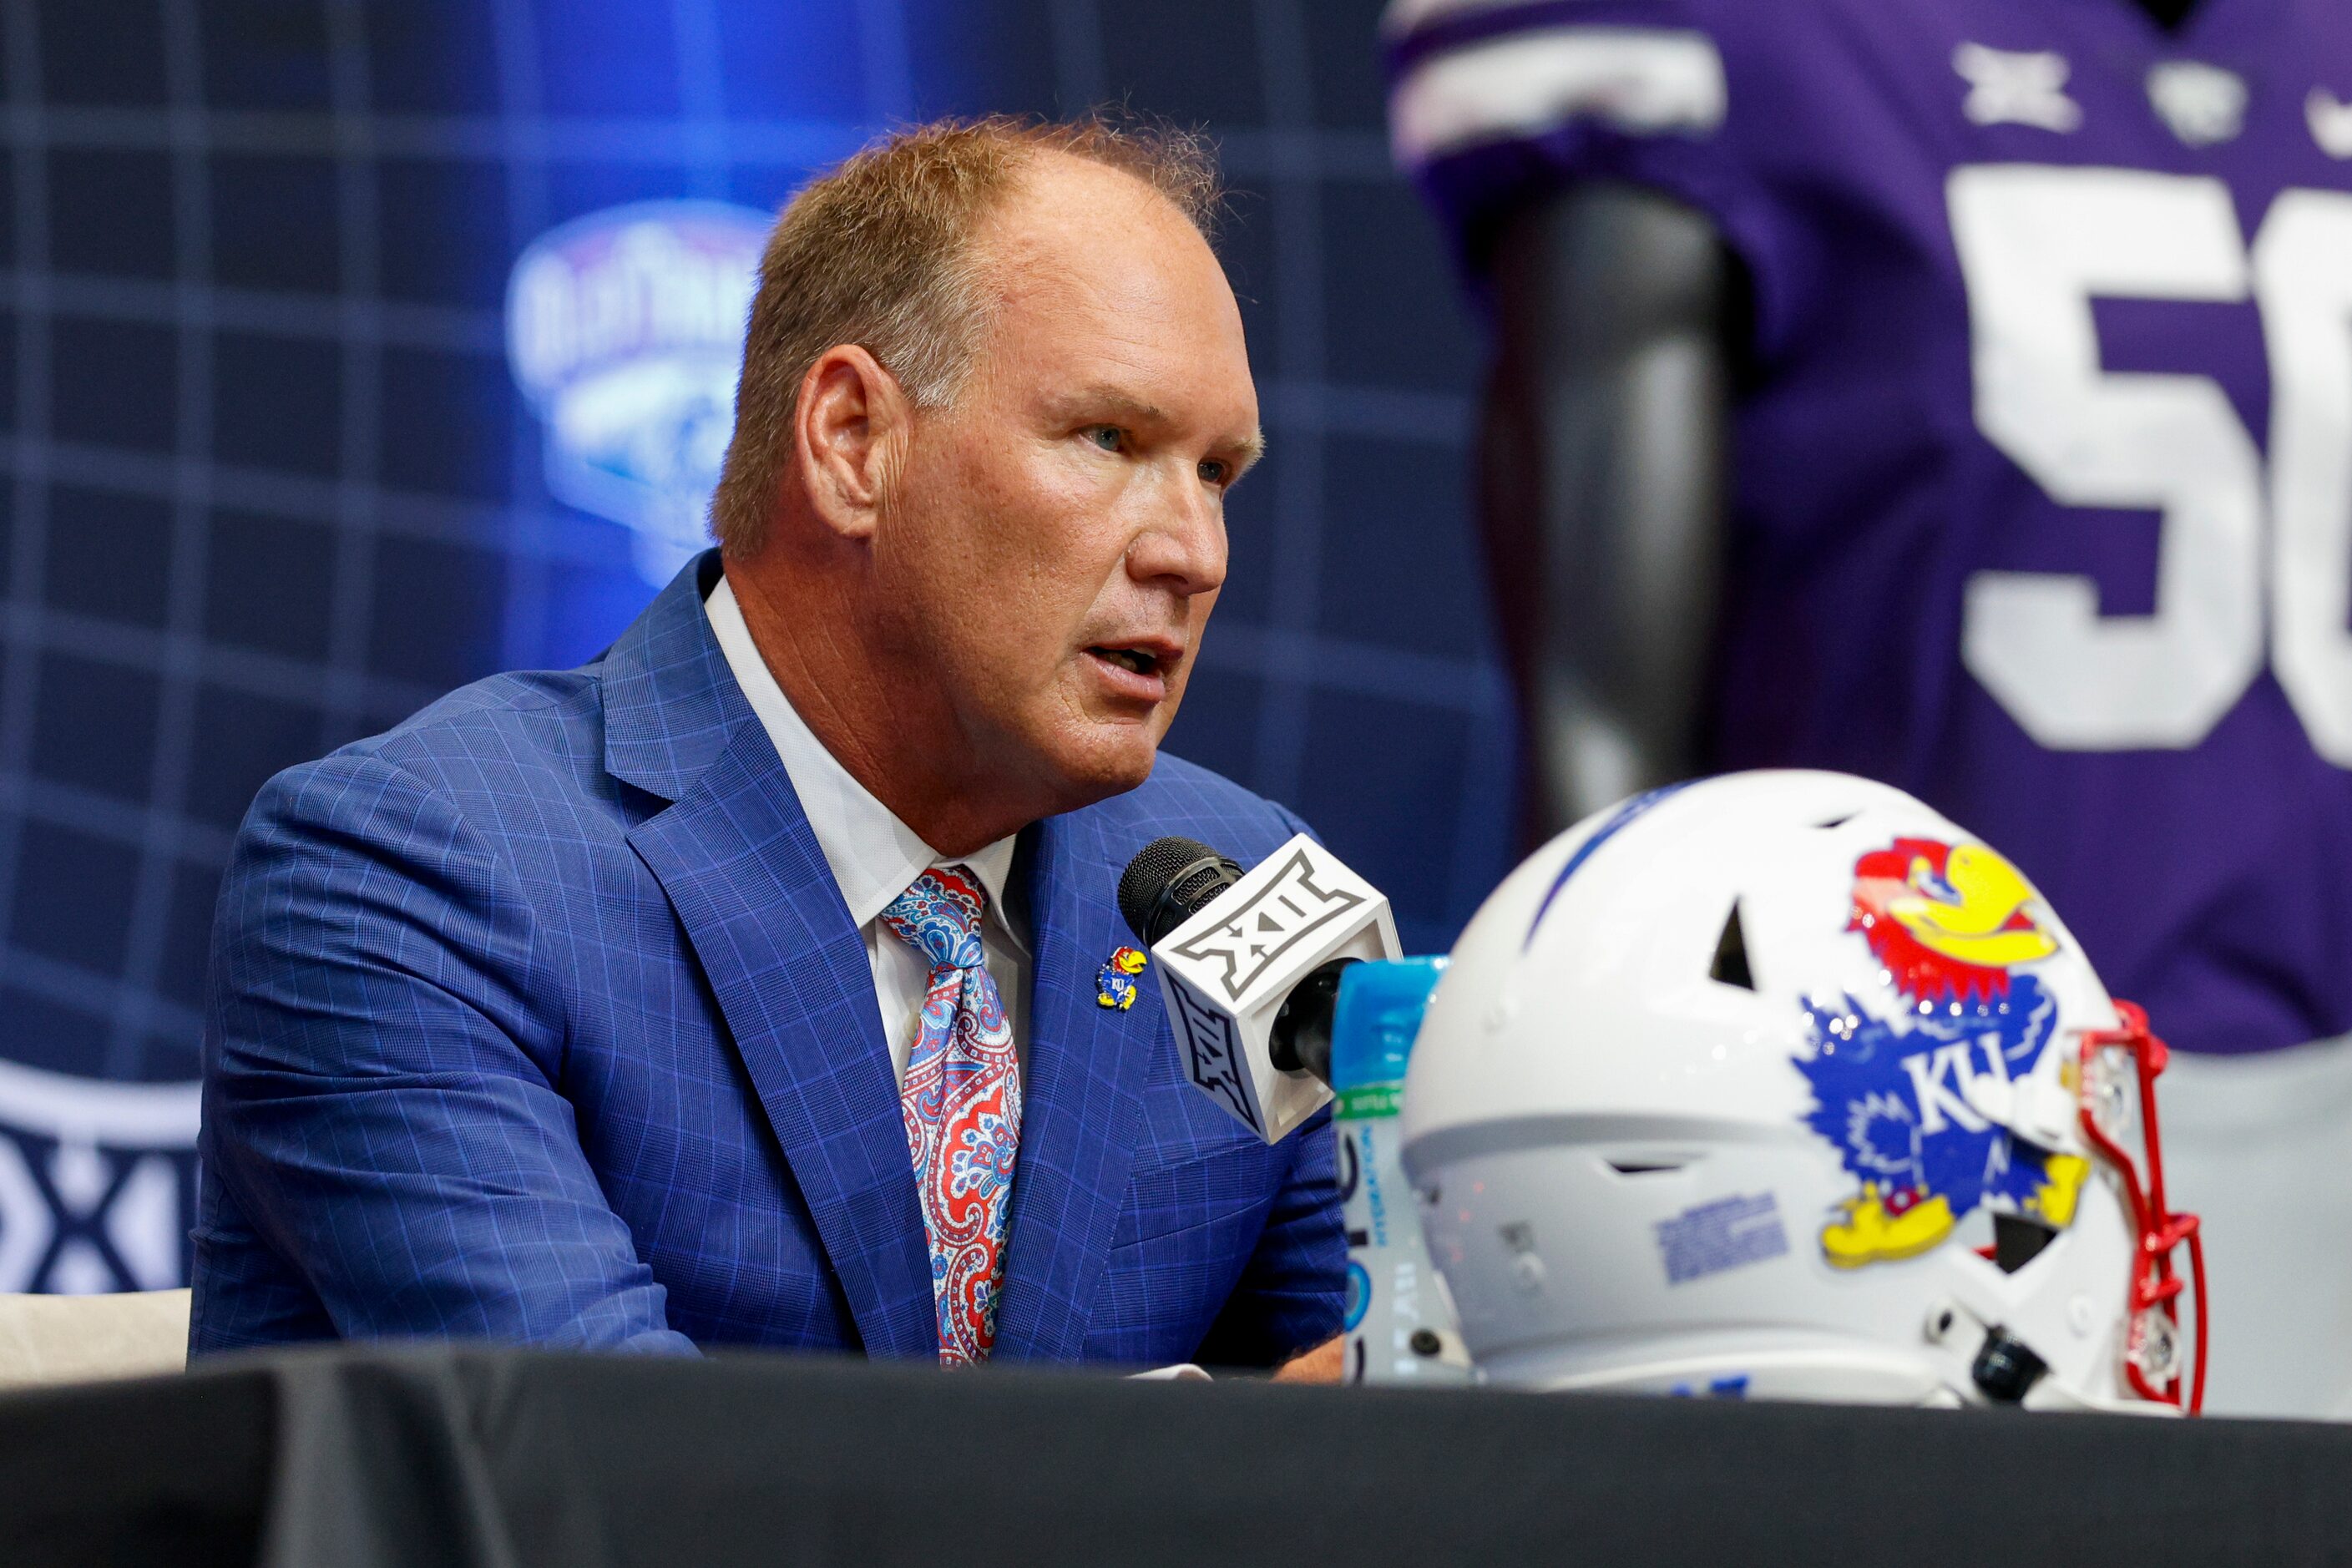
(1324, 1364)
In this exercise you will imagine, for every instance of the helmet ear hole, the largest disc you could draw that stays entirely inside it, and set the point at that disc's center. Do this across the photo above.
(1730, 965)
(1646, 1165)
(2017, 1241)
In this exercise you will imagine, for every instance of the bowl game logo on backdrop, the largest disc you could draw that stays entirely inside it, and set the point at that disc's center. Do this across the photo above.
(97, 1183)
(625, 330)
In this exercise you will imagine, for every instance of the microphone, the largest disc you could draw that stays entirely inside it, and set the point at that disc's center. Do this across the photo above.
(1250, 964)
(1169, 880)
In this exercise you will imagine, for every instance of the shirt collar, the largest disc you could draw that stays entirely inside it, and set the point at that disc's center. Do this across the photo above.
(874, 856)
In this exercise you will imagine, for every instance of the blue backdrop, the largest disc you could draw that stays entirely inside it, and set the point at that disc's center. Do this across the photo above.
(272, 482)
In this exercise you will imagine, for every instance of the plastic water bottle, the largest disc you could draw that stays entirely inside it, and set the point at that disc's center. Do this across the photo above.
(1400, 1326)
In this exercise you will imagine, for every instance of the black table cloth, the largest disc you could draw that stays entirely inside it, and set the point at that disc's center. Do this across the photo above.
(484, 1457)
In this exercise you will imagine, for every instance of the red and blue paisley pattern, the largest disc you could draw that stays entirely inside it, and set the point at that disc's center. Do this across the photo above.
(963, 1105)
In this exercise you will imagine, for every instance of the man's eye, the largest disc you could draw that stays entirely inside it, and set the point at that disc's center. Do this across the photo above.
(1110, 438)
(1215, 472)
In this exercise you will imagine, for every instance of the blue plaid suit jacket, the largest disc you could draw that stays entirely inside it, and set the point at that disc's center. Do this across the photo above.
(541, 1018)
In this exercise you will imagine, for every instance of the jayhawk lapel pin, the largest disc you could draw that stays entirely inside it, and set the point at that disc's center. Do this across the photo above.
(1115, 983)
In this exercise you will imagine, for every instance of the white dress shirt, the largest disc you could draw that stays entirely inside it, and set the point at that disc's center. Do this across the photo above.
(875, 856)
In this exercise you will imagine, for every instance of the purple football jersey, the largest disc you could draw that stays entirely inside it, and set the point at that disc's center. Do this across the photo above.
(2043, 488)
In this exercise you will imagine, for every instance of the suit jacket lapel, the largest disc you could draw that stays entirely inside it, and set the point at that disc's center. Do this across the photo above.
(739, 865)
(1081, 1097)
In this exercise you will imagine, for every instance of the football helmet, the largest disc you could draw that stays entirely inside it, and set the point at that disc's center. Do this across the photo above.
(1780, 1084)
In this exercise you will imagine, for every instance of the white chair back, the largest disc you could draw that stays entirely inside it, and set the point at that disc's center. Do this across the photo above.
(74, 1339)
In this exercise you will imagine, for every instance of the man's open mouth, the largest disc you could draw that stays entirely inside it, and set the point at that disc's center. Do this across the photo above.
(1132, 658)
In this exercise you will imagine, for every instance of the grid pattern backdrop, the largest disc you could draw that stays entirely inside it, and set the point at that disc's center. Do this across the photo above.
(269, 485)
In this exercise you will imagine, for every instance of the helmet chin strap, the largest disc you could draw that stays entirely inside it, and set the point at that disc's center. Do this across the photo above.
(2004, 1370)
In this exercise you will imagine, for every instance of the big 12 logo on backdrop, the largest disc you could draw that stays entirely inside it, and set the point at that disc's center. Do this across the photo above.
(97, 1183)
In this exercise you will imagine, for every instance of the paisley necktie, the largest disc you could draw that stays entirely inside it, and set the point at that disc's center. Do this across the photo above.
(962, 1105)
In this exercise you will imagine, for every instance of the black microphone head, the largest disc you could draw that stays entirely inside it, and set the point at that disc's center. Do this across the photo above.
(1169, 880)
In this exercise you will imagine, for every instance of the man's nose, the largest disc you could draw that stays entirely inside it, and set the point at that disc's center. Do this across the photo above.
(1183, 545)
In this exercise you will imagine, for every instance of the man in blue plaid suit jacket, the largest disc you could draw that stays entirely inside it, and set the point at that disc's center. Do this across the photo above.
(541, 1017)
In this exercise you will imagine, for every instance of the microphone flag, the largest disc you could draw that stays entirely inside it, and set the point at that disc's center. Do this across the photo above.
(1226, 971)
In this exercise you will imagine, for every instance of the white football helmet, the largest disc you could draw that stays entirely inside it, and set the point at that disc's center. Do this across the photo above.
(1780, 1085)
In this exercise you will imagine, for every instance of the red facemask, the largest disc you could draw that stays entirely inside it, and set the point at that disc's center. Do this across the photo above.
(2117, 1087)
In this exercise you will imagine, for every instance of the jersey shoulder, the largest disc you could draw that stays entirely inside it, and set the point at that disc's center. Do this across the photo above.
(1464, 75)
(1493, 104)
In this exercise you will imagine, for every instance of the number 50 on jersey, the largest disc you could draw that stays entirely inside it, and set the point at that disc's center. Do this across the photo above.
(2036, 244)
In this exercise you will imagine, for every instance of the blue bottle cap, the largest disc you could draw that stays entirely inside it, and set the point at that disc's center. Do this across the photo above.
(1378, 1012)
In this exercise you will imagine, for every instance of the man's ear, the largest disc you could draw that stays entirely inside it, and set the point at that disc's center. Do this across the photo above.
(849, 429)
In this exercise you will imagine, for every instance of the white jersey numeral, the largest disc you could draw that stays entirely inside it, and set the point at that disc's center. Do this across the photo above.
(2302, 274)
(2036, 245)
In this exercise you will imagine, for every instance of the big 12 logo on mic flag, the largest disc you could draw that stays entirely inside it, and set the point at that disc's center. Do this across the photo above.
(97, 1183)
(1254, 933)
(1225, 973)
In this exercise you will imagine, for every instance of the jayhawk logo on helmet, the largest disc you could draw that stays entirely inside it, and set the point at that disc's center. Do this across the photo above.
(1947, 920)
(1950, 924)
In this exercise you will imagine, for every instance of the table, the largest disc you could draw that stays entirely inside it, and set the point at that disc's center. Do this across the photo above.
(476, 1455)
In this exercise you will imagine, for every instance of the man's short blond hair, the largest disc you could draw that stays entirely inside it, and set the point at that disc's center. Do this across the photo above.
(879, 252)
